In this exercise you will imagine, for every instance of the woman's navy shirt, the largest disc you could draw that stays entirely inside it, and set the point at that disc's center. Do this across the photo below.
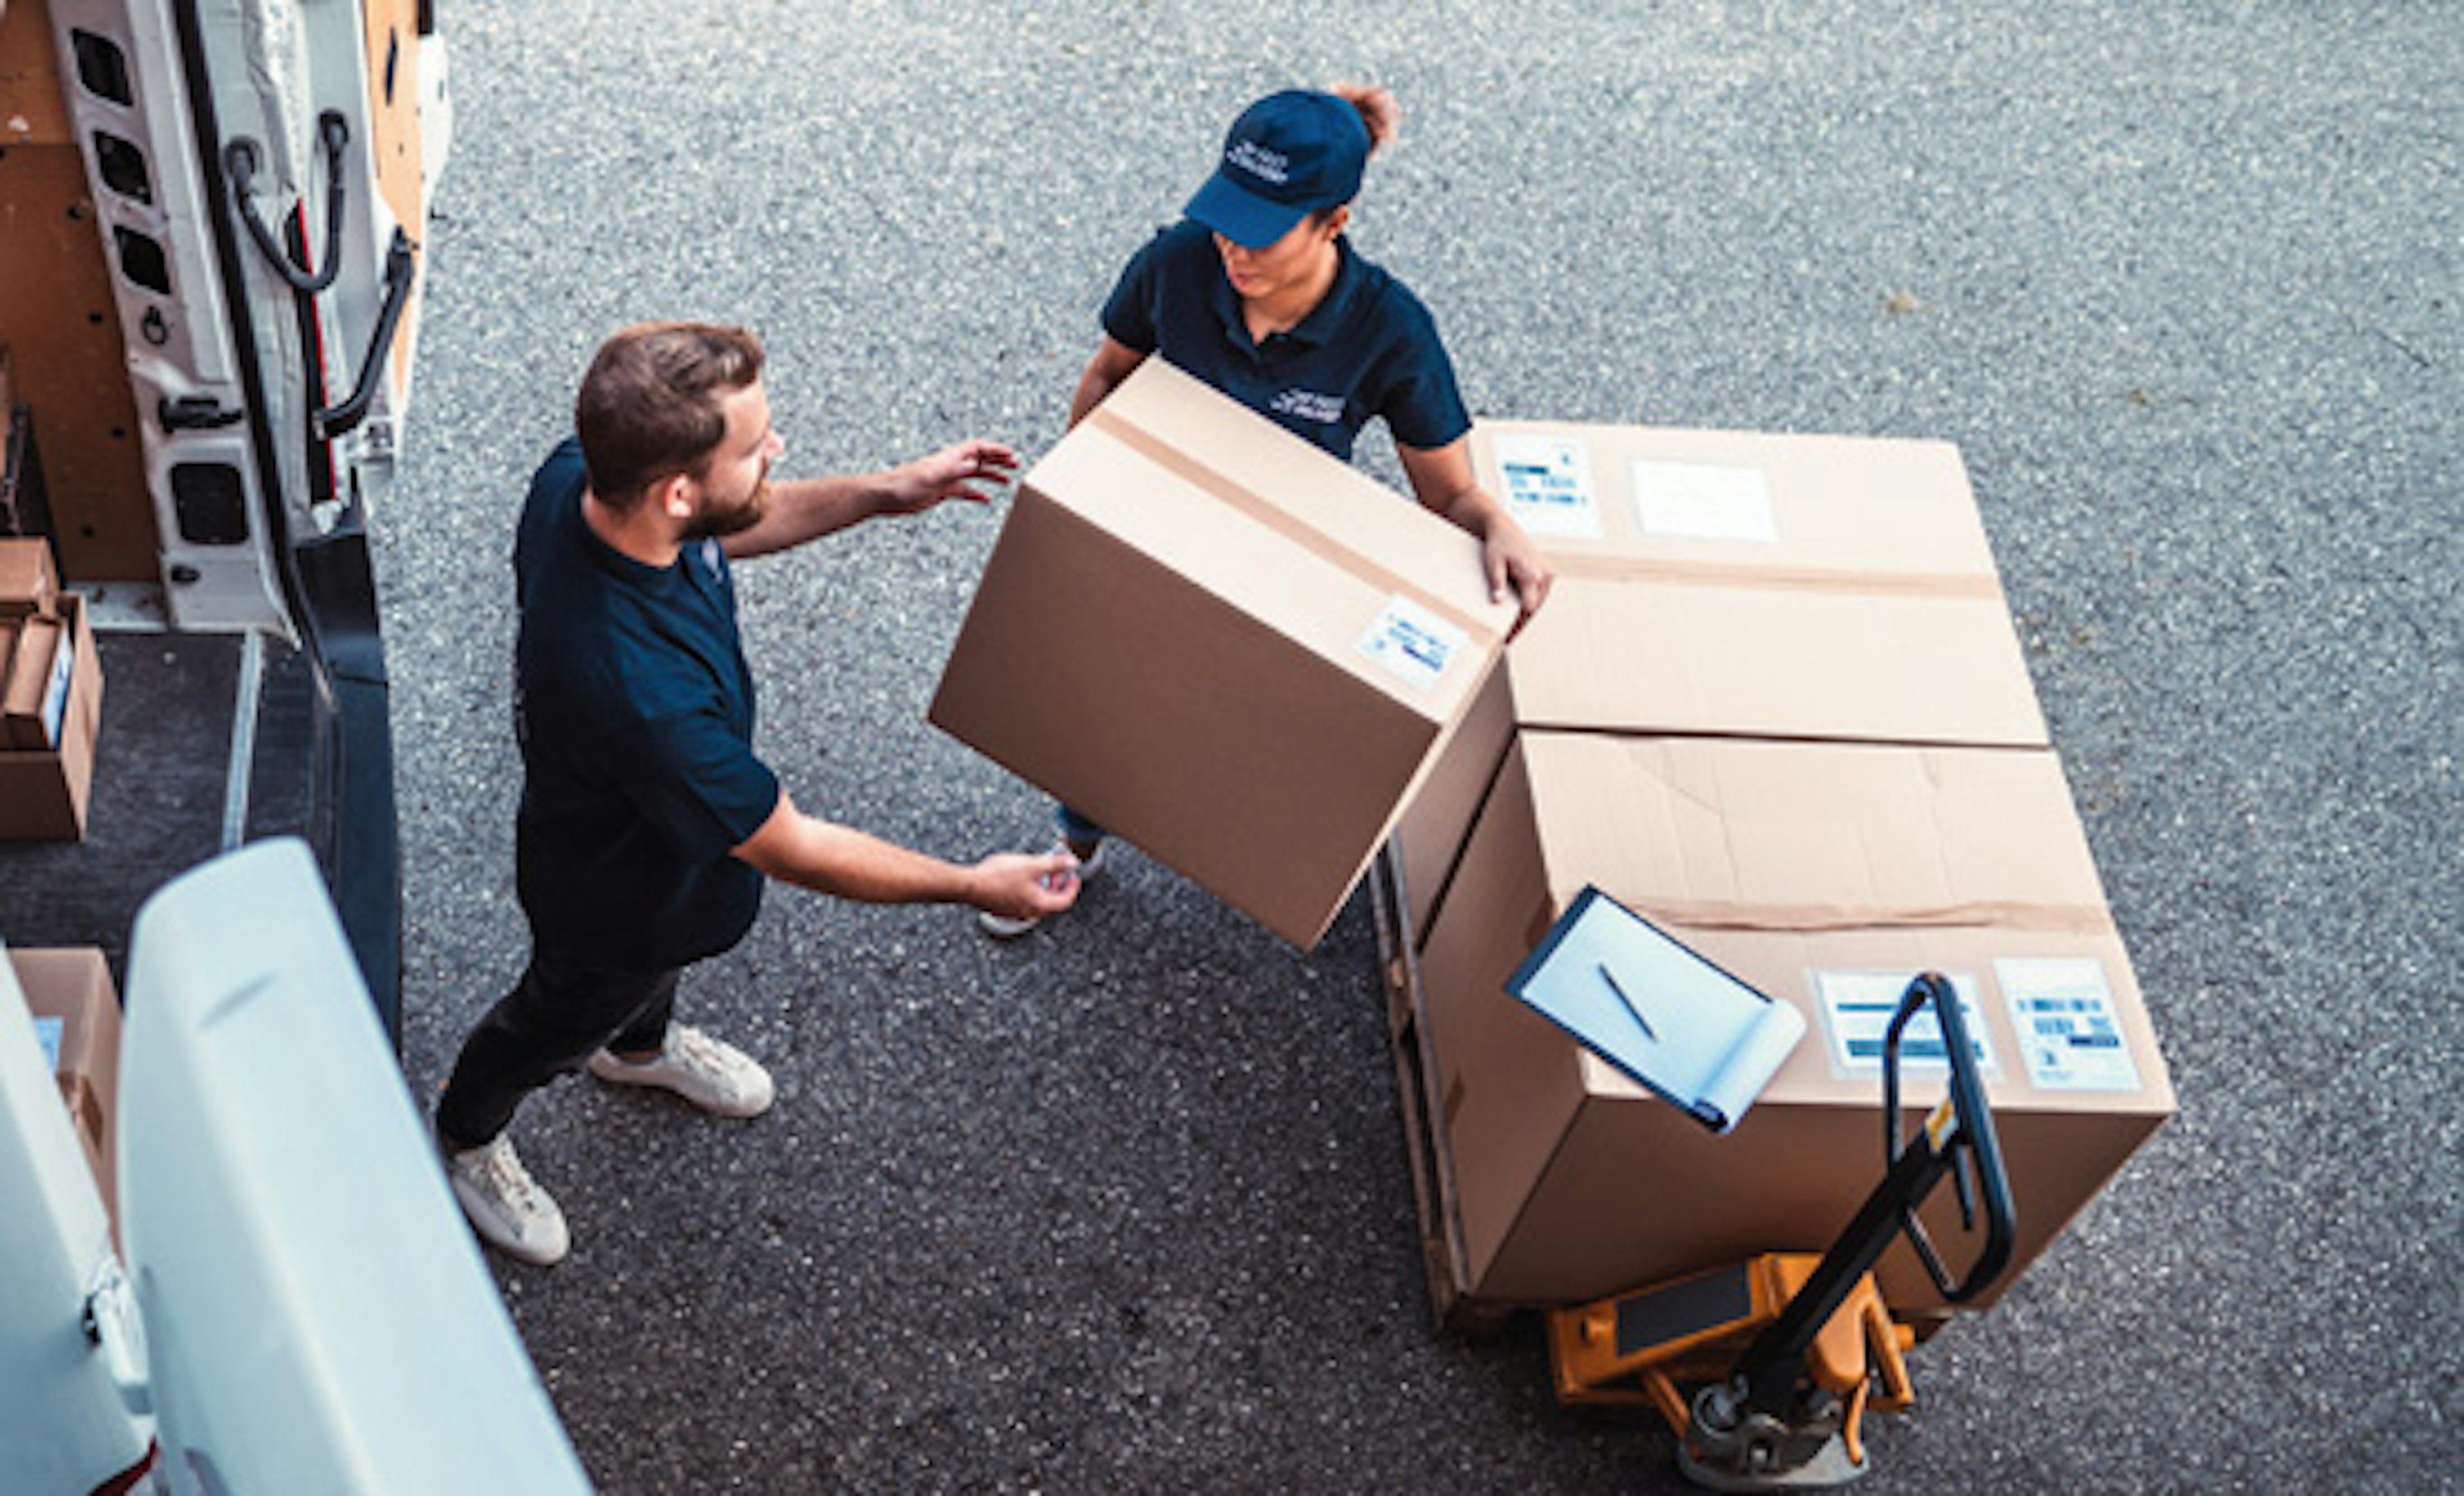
(1370, 348)
(634, 707)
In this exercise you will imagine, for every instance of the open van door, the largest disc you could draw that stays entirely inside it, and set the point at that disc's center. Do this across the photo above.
(302, 1307)
(210, 297)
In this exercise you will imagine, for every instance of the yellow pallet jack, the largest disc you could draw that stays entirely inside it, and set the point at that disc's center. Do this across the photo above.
(1766, 1368)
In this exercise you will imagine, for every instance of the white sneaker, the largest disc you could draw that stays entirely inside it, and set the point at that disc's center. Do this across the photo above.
(506, 1206)
(718, 1077)
(1009, 927)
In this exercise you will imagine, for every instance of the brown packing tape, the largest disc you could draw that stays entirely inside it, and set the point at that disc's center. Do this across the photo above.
(1536, 929)
(1821, 918)
(1782, 579)
(1814, 918)
(1258, 507)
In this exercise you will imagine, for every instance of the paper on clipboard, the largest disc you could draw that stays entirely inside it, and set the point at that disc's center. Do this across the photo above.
(1657, 1010)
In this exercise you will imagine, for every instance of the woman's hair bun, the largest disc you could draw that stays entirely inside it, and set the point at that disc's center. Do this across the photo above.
(1378, 111)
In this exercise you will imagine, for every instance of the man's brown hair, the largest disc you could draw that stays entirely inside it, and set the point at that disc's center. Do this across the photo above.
(650, 404)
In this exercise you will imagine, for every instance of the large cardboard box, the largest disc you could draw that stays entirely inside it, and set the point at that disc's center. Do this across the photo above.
(1824, 875)
(1223, 643)
(44, 791)
(77, 1012)
(1817, 587)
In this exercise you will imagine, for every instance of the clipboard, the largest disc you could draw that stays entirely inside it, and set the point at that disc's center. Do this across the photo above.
(1657, 1010)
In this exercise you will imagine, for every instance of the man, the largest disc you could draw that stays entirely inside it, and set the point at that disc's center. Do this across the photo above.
(647, 824)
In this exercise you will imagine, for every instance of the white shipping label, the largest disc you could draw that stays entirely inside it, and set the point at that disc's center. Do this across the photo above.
(56, 691)
(48, 1031)
(1857, 1008)
(1698, 502)
(1413, 643)
(1548, 486)
(2069, 1034)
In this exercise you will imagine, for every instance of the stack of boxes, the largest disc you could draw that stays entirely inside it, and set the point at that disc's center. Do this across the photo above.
(51, 698)
(1776, 705)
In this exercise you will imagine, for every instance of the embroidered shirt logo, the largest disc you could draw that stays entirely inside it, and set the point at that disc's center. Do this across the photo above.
(1271, 165)
(1309, 405)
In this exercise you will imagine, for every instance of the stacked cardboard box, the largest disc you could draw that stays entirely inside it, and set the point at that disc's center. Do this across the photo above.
(1776, 706)
(51, 698)
(1827, 588)
(1227, 646)
(76, 1010)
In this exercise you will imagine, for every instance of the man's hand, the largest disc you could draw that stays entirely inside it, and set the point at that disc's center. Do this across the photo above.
(1025, 886)
(806, 509)
(954, 472)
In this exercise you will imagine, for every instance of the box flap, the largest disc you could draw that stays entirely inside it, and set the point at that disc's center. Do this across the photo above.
(28, 582)
(1702, 499)
(1312, 490)
(1811, 836)
(35, 683)
(1775, 658)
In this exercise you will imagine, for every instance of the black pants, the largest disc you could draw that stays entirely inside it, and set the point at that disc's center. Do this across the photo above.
(555, 1018)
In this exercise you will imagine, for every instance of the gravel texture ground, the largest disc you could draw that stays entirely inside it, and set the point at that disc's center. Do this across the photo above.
(1124, 1206)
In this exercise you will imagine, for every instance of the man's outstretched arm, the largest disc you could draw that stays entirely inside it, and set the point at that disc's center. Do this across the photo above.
(805, 509)
(821, 855)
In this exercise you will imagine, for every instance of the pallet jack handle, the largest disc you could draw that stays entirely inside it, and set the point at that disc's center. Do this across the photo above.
(1968, 1112)
(1956, 1139)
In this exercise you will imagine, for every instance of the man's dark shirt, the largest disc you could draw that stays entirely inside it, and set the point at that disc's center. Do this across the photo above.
(1369, 349)
(634, 707)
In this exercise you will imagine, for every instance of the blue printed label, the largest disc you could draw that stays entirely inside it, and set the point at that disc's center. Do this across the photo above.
(1857, 1008)
(1548, 486)
(2070, 1034)
(1411, 643)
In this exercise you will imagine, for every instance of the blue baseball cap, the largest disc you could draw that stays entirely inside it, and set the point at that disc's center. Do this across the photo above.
(1288, 155)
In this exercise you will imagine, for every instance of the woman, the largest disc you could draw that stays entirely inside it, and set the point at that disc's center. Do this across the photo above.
(1258, 293)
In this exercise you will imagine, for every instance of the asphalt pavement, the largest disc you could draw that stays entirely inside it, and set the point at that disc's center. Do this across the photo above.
(1124, 1206)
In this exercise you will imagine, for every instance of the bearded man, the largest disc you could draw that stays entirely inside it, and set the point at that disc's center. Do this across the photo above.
(647, 827)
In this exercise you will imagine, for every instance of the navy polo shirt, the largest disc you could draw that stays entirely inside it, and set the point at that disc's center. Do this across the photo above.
(634, 707)
(1370, 348)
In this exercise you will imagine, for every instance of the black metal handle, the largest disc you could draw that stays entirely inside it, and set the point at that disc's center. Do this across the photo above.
(1959, 1133)
(400, 270)
(239, 171)
(1967, 1141)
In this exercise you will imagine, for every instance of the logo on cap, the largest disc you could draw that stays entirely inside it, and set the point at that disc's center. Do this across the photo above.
(1268, 166)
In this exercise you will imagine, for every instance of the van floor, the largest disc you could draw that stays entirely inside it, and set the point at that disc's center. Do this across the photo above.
(162, 795)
